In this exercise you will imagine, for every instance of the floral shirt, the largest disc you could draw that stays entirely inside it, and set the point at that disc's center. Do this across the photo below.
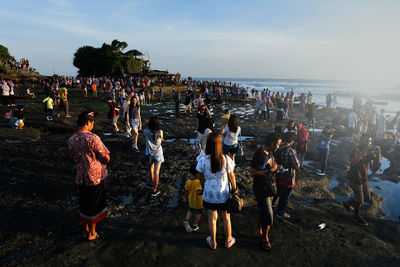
(89, 154)
(216, 188)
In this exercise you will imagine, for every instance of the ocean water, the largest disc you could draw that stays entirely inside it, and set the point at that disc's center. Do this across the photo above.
(388, 92)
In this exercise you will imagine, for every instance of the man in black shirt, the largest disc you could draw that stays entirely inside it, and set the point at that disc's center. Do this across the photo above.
(263, 167)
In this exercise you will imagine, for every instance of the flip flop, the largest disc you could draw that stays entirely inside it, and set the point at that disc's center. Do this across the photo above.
(96, 237)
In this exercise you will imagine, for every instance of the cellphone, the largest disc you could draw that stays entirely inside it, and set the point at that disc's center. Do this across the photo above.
(284, 170)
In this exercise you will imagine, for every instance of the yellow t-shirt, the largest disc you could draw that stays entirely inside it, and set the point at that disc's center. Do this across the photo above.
(63, 94)
(224, 120)
(195, 200)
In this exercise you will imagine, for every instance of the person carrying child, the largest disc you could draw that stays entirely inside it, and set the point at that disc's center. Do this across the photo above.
(193, 193)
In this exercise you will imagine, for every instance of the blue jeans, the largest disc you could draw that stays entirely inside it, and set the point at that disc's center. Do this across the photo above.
(264, 205)
(323, 156)
(284, 194)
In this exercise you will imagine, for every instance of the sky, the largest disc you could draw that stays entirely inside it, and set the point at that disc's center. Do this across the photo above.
(309, 39)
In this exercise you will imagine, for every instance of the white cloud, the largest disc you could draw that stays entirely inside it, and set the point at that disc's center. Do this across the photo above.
(338, 40)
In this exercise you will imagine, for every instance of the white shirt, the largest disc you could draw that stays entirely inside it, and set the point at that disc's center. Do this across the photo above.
(153, 147)
(6, 89)
(231, 138)
(216, 189)
(202, 138)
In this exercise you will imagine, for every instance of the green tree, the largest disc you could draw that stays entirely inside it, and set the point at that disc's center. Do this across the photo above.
(4, 54)
(109, 59)
(86, 59)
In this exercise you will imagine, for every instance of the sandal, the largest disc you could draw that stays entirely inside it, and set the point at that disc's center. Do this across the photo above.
(229, 244)
(213, 245)
(266, 245)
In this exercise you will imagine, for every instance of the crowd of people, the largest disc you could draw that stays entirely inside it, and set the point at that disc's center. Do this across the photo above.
(212, 178)
(22, 64)
(365, 119)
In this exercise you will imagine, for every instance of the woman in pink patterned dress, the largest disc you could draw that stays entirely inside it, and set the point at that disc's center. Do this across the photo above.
(91, 157)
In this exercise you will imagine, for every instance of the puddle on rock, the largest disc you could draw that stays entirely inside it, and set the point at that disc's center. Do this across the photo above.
(127, 200)
(333, 183)
(190, 140)
(388, 190)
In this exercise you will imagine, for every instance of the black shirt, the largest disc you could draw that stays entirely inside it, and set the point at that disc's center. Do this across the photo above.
(259, 162)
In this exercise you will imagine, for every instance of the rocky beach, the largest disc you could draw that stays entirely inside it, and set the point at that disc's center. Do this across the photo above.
(40, 210)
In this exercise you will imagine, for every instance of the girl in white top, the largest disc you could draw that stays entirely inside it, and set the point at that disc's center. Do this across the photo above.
(5, 93)
(206, 127)
(217, 169)
(231, 134)
(154, 153)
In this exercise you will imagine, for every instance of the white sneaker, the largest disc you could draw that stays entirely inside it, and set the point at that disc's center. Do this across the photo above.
(187, 227)
(321, 173)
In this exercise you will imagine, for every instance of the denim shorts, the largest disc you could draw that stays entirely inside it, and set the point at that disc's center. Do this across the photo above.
(233, 149)
(134, 123)
(154, 159)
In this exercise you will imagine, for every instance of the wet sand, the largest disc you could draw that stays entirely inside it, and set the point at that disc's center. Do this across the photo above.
(39, 207)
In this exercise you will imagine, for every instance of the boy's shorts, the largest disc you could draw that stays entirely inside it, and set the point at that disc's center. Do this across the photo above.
(196, 211)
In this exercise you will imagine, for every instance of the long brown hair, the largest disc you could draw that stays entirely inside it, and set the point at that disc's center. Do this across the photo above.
(214, 149)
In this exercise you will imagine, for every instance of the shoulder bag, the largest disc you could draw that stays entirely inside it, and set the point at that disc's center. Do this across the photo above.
(235, 202)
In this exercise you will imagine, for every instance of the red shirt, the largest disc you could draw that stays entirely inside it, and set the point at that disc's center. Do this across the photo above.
(89, 154)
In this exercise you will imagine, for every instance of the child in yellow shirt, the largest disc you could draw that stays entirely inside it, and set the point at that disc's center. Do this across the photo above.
(193, 193)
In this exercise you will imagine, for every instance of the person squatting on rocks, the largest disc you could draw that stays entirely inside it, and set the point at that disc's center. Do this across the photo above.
(263, 168)
(91, 156)
(193, 195)
(357, 175)
(217, 171)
